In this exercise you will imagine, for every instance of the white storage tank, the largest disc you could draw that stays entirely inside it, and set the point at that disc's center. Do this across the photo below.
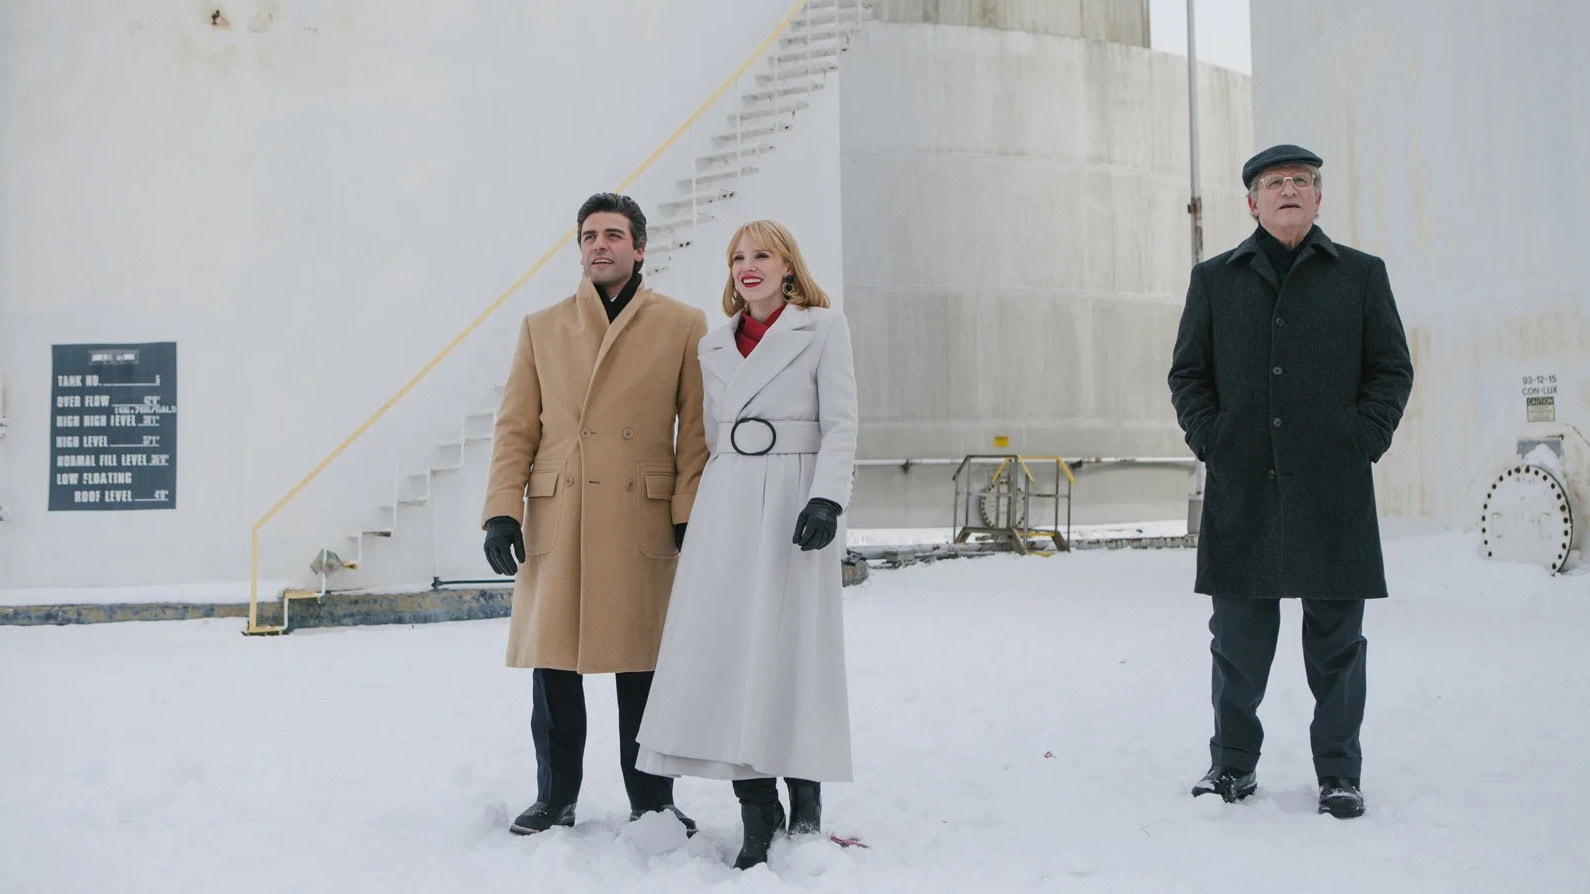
(1017, 243)
(1452, 134)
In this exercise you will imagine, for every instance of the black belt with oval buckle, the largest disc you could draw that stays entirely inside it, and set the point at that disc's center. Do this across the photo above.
(772, 433)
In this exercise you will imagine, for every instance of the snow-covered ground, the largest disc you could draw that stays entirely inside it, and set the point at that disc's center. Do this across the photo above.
(1020, 724)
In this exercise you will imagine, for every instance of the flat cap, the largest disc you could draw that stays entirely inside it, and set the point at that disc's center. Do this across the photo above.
(1284, 154)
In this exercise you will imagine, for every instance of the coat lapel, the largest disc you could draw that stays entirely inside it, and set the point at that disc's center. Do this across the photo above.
(1256, 259)
(625, 317)
(593, 317)
(792, 332)
(719, 355)
(592, 314)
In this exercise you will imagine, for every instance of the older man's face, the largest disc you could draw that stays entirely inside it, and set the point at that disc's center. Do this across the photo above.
(1281, 203)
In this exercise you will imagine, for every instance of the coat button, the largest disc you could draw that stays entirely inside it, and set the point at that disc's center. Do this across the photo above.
(1276, 422)
(1280, 322)
(629, 433)
(568, 481)
(585, 433)
(1275, 370)
(1270, 474)
(630, 484)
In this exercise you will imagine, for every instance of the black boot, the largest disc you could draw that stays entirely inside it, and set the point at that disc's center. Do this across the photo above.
(763, 817)
(539, 817)
(687, 822)
(805, 806)
(1339, 796)
(1231, 785)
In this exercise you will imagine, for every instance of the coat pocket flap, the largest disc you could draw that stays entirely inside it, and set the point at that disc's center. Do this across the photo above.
(543, 484)
(659, 486)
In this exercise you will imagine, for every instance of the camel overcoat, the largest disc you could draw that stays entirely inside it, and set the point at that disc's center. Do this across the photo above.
(585, 456)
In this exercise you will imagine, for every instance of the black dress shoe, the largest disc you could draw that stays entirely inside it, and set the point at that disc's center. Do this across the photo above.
(1231, 785)
(687, 822)
(1339, 796)
(539, 817)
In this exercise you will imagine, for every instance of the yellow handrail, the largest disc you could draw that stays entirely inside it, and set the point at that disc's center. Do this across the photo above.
(253, 561)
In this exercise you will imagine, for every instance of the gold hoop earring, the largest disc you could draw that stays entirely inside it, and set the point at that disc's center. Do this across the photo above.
(789, 287)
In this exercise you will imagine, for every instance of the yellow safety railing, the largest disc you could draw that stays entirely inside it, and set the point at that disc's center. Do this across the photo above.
(253, 562)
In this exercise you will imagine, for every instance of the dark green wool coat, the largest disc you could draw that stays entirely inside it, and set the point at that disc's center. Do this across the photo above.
(1288, 388)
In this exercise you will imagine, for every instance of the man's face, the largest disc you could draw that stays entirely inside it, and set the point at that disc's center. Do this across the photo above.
(1281, 205)
(607, 250)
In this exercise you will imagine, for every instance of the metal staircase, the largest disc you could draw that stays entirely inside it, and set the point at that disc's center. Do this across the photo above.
(798, 66)
(768, 105)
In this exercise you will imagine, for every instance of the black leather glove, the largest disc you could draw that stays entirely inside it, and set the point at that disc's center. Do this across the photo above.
(504, 542)
(817, 524)
(679, 536)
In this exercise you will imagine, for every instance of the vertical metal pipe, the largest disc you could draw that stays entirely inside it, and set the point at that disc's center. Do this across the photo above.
(1195, 500)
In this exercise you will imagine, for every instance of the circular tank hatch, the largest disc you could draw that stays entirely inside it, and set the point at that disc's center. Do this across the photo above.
(1527, 518)
(1000, 501)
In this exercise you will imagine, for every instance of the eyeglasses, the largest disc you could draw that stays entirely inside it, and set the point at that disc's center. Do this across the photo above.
(1274, 182)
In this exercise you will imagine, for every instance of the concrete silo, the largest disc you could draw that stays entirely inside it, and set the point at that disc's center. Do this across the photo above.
(1015, 183)
(1451, 134)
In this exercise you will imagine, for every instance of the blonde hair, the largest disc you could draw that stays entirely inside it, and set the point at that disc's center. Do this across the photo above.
(774, 237)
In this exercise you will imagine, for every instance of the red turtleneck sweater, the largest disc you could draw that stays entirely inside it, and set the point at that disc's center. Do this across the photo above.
(750, 332)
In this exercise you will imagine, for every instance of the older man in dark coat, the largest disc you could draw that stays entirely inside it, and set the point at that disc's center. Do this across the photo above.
(1290, 374)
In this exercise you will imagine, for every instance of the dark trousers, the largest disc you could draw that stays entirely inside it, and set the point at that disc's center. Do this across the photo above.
(557, 722)
(762, 790)
(1334, 651)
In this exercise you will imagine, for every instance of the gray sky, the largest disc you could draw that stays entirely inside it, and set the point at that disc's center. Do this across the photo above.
(1221, 31)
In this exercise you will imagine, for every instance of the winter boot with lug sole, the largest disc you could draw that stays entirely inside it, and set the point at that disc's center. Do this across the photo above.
(540, 816)
(1339, 796)
(1231, 785)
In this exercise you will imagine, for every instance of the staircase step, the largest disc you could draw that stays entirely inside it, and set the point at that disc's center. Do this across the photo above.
(752, 133)
(369, 532)
(415, 490)
(735, 154)
(696, 201)
(798, 71)
(815, 35)
(807, 55)
(846, 17)
(732, 176)
(770, 93)
(666, 248)
(669, 225)
(788, 108)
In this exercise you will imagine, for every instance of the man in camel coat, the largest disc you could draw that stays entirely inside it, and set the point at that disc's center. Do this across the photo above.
(590, 490)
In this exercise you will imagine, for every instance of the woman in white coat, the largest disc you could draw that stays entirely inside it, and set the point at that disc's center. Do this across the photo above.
(750, 681)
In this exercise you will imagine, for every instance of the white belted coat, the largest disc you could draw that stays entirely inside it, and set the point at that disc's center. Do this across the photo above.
(751, 674)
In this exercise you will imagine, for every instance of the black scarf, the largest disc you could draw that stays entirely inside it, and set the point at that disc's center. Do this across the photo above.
(617, 305)
(1283, 259)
